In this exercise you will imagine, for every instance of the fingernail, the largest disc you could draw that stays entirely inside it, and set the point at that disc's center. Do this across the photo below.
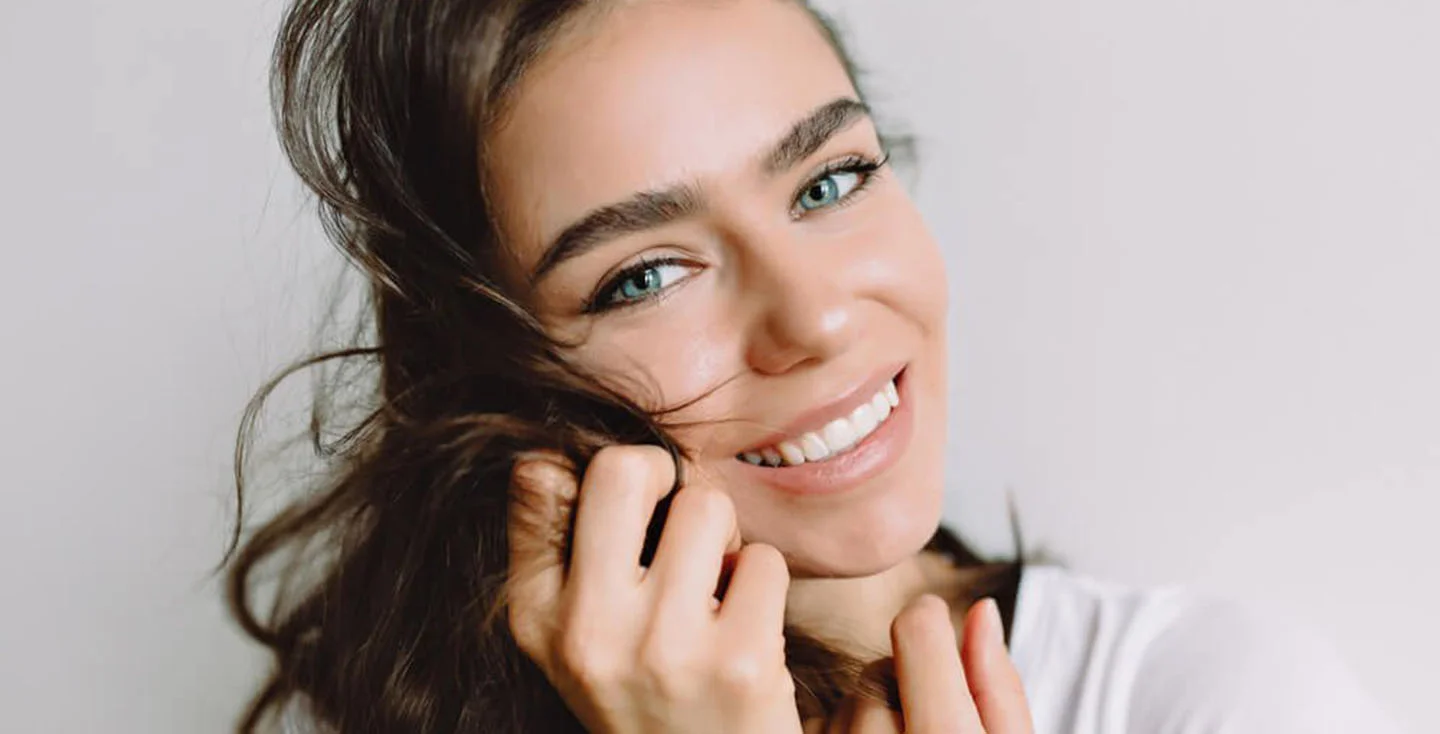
(994, 626)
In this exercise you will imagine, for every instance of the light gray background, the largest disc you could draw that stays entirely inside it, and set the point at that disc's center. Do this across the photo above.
(1194, 254)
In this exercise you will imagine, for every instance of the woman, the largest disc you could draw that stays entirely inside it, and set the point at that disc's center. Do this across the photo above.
(659, 340)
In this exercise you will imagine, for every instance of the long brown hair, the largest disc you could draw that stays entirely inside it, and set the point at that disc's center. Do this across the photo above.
(383, 616)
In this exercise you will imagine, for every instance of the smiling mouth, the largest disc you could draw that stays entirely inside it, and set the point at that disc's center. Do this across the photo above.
(835, 439)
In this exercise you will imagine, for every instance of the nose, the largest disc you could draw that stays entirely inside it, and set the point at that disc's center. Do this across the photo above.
(804, 309)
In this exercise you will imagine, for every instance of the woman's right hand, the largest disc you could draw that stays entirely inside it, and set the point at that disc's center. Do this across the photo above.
(632, 649)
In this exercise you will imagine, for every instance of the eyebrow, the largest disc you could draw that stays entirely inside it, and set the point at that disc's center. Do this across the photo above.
(647, 210)
(811, 133)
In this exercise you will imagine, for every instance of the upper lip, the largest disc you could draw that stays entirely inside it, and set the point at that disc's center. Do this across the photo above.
(817, 418)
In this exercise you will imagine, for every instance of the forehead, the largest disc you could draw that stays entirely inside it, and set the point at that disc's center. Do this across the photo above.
(648, 93)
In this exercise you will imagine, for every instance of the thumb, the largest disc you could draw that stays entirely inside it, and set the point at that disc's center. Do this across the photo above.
(543, 489)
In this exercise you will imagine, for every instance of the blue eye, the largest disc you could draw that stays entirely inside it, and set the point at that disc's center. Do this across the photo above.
(829, 190)
(641, 282)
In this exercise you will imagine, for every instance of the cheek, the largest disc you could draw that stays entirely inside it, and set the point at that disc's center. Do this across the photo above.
(668, 359)
(910, 275)
(926, 294)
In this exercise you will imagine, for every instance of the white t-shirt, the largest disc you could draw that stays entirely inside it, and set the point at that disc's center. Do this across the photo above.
(1100, 658)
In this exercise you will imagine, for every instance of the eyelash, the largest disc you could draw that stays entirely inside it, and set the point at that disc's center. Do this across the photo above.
(601, 301)
(864, 166)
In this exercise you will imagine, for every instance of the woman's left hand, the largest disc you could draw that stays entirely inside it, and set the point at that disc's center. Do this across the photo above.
(945, 687)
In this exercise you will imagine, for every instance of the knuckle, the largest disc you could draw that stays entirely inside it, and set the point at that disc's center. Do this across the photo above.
(743, 674)
(668, 668)
(706, 504)
(540, 472)
(586, 659)
(767, 560)
(926, 616)
(639, 468)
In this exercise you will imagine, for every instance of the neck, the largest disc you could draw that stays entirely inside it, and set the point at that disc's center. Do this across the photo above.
(854, 614)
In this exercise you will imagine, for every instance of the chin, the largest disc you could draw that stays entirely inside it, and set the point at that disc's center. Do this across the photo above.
(866, 529)
(862, 540)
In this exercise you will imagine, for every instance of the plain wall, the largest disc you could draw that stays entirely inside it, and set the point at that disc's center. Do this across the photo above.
(1194, 254)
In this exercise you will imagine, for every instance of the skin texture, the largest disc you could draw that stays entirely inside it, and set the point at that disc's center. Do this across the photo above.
(777, 315)
(771, 311)
(652, 650)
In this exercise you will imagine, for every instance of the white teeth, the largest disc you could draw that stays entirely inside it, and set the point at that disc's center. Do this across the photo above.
(814, 446)
(791, 453)
(864, 420)
(881, 404)
(836, 437)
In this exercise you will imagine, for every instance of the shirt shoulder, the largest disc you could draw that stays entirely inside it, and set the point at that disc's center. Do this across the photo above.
(1102, 658)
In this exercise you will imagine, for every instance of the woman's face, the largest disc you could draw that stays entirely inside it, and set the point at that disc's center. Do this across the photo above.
(691, 190)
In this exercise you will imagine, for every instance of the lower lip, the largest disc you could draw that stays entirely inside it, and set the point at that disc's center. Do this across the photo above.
(866, 460)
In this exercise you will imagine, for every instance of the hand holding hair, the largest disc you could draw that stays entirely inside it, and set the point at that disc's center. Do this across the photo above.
(636, 649)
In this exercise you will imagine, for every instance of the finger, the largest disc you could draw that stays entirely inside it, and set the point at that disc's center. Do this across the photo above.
(933, 691)
(754, 606)
(874, 717)
(542, 488)
(618, 495)
(994, 682)
(691, 554)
